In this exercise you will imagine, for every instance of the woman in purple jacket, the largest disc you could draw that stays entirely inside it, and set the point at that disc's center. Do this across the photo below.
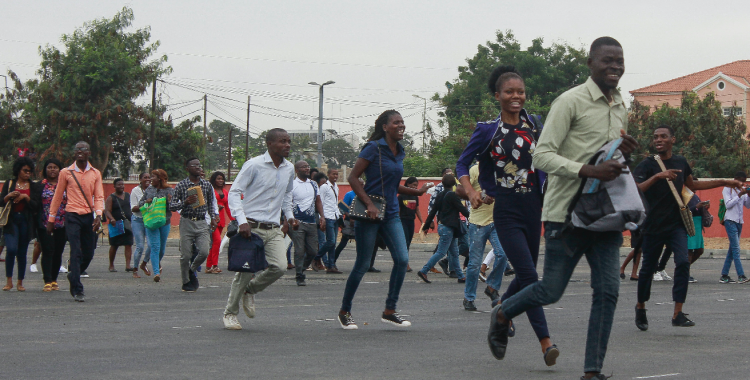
(504, 148)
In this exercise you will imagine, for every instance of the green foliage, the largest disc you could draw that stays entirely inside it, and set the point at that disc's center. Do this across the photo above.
(175, 144)
(86, 91)
(714, 145)
(218, 146)
(338, 152)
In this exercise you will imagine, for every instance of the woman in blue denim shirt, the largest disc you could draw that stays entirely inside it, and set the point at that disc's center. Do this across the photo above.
(382, 147)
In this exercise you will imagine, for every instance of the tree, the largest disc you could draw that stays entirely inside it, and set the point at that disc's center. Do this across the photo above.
(218, 148)
(714, 145)
(338, 152)
(175, 144)
(87, 91)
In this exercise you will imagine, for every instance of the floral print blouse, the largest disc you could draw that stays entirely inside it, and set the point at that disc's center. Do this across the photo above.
(512, 149)
(48, 192)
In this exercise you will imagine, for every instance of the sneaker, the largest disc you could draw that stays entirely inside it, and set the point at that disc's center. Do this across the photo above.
(346, 321)
(444, 265)
(33, 269)
(641, 322)
(665, 276)
(395, 320)
(231, 323)
(80, 298)
(742, 279)
(598, 376)
(482, 277)
(63, 269)
(84, 274)
(188, 287)
(550, 355)
(469, 305)
(248, 304)
(657, 276)
(682, 321)
(301, 282)
(691, 279)
(726, 280)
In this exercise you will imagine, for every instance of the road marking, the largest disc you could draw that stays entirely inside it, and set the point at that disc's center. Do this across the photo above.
(655, 376)
(372, 282)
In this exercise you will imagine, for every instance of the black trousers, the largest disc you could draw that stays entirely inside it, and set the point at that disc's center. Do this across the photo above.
(52, 251)
(408, 225)
(653, 244)
(82, 240)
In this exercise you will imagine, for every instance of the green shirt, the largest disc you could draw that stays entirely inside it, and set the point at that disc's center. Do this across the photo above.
(580, 122)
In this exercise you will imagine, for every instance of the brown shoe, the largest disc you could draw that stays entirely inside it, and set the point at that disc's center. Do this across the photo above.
(290, 266)
(217, 270)
(433, 270)
(317, 265)
(333, 270)
(144, 268)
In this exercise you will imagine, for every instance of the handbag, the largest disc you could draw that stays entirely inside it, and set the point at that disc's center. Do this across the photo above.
(155, 213)
(685, 214)
(246, 255)
(358, 210)
(125, 222)
(5, 212)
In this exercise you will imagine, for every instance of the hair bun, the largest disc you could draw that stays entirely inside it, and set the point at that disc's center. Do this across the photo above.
(496, 73)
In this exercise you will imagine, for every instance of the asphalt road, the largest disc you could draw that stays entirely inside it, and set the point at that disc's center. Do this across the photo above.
(135, 328)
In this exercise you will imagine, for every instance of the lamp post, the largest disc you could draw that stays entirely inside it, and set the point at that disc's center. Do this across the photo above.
(424, 121)
(320, 121)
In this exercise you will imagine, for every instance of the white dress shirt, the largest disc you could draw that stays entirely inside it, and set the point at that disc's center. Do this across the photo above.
(267, 190)
(329, 196)
(135, 196)
(734, 203)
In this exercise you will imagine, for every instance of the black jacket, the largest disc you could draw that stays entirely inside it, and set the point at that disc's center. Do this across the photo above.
(447, 207)
(31, 211)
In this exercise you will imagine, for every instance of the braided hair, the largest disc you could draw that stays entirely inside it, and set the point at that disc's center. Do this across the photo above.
(500, 75)
(382, 120)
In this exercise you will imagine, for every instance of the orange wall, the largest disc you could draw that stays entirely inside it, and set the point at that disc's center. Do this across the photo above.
(714, 195)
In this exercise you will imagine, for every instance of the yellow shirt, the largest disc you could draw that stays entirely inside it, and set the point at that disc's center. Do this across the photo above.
(481, 216)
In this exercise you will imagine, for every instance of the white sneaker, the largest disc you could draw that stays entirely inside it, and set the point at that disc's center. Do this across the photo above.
(63, 269)
(665, 276)
(231, 323)
(248, 304)
(84, 274)
(33, 269)
(657, 276)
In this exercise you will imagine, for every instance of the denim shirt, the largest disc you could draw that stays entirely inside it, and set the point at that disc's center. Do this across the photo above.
(393, 170)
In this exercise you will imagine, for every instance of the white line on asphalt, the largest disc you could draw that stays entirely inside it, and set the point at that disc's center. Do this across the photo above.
(655, 376)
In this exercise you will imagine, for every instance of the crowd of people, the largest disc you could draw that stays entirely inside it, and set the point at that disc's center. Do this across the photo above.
(514, 179)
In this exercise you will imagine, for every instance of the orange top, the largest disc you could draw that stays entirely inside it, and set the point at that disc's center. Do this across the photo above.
(91, 182)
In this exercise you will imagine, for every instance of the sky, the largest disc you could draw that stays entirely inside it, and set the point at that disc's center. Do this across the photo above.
(379, 53)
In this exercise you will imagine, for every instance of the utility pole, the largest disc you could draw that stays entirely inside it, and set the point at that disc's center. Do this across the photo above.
(320, 121)
(229, 156)
(152, 165)
(424, 121)
(205, 104)
(247, 132)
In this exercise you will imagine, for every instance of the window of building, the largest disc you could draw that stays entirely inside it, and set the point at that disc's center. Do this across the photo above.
(729, 111)
(721, 85)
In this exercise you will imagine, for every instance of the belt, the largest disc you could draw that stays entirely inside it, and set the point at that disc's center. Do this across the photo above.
(261, 225)
(195, 218)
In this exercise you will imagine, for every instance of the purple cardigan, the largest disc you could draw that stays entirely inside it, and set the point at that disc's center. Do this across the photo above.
(479, 149)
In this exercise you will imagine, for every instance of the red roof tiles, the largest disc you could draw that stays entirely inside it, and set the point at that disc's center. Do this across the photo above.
(738, 70)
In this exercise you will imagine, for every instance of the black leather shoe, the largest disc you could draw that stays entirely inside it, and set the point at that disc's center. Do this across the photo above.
(682, 321)
(469, 305)
(497, 336)
(423, 277)
(193, 280)
(188, 287)
(444, 265)
(301, 282)
(641, 321)
(462, 280)
(493, 294)
(452, 274)
(373, 270)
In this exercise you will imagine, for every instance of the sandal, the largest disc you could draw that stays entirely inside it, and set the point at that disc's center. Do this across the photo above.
(47, 287)
(210, 270)
(216, 269)
(135, 274)
(112, 270)
(55, 286)
(20, 288)
(7, 287)
(157, 278)
(144, 268)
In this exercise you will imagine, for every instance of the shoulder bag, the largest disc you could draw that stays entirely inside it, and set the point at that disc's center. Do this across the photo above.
(5, 212)
(88, 202)
(125, 220)
(358, 210)
(687, 216)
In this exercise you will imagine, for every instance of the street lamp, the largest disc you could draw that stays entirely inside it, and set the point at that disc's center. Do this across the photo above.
(320, 121)
(424, 121)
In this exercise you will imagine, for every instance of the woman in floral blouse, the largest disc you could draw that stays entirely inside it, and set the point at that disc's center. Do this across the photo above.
(54, 244)
(504, 149)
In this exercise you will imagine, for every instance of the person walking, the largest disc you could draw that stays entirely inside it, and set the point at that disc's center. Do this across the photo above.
(447, 207)
(221, 195)
(504, 149)
(117, 210)
(734, 200)
(193, 227)
(580, 122)
(347, 227)
(305, 200)
(142, 250)
(82, 184)
(261, 190)
(664, 224)
(52, 244)
(157, 237)
(329, 197)
(382, 162)
(21, 194)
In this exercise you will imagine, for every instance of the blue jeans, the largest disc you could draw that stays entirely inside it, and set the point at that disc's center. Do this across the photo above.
(734, 230)
(17, 237)
(392, 233)
(329, 244)
(139, 235)
(478, 236)
(321, 239)
(447, 244)
(157, 240)
(562, 253)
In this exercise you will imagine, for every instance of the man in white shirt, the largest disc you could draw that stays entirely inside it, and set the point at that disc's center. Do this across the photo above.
(305, 200)
(734, 200)
(329, 196)
(266, 182)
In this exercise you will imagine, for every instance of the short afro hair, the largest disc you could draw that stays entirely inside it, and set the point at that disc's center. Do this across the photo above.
(602, 41)
(19, 163)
